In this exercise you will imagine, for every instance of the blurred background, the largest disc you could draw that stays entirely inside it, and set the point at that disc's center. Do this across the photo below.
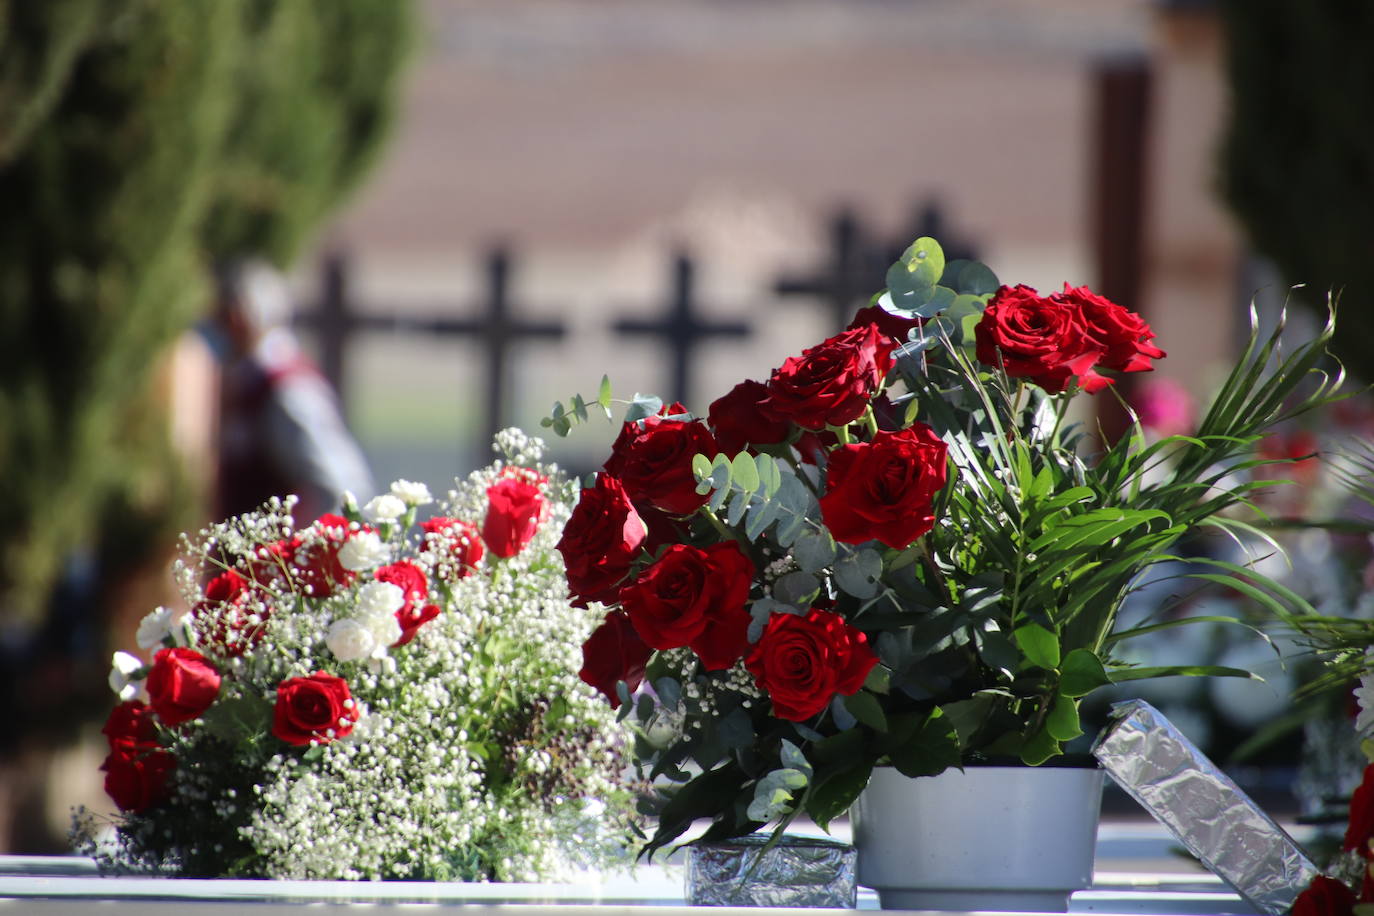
(484, 205)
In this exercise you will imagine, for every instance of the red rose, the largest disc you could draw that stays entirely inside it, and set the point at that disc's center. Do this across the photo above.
(885, 489)
(601, 538)
(1360, 830)
(803, 662)
(614, 652)
(136, 777)
(831, 383)
(414, 587)
(737, 420)
(182, 685)
(895, 326)
(308, 561)
(694, 597)
(235, 611)
(1325, 897)
(313, 710)
(1120, 333)
(1032, 337)
(615, 464)
(656, 463)
(515, 507)
(455, 539)
(130, 724)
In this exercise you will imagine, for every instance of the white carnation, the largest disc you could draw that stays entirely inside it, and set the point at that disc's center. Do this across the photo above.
(124, 668)
(154, 628)
(385, 508)
(385, 630)
(379, 599)
(350, 640)
(362, 551)
(411, 493)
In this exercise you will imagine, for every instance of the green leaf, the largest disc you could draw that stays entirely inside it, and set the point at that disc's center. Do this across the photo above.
(1082, 674)
(796, 588)
(924, 261)
(744, 473)
(864, 706)
(1062, 722)
(975, 278)
(878, 680)
(643, 405)
(833, 793)
(705, 796)
(1041, 646)
(603, 395)
(1121, 675)
(932, 748)
(1039, 748)
(814, 549)
(769, 475)
(793, 758)
(857, 572)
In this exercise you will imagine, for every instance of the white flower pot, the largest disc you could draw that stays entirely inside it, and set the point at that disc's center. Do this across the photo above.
(984, 838)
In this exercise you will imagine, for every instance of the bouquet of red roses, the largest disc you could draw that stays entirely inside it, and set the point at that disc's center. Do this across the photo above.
(368, 697)
(896, 549)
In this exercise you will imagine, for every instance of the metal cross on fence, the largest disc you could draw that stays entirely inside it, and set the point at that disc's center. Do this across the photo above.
(681, 329)
(857, 263)
(336, 319)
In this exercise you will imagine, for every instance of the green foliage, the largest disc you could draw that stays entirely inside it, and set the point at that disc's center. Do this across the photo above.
(1298, 154)
(137, 140)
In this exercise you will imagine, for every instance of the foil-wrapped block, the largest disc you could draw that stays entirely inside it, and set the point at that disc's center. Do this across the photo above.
(1200, 805)
(798, 871)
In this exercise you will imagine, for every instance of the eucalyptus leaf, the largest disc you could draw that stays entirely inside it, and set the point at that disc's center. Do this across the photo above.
(641, 406)
(796, 588)
(857, 572)
(814, 550)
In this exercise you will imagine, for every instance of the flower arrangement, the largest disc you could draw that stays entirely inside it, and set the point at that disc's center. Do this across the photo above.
(897, 550)
(365, 697)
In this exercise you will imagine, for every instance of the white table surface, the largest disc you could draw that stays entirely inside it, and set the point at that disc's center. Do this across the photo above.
(1139, 872)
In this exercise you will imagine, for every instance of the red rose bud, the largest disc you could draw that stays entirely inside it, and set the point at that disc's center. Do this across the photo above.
(414, 586)
(230, 607)
(313, 710)
(737, 421)
(885, 489)
(1032, 337)
(181, 686)
(601, 539)
(614, 652)
(831, 383)
(1121, 334)
(804, 662)
(136, 777)
(694, 597)
(129, 725)
(455, 539)
(1325, 897)
(515, 508)
(412, 619)
(656, 464)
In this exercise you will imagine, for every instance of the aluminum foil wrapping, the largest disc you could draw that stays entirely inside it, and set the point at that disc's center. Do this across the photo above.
(1202, 807)
(798, 871)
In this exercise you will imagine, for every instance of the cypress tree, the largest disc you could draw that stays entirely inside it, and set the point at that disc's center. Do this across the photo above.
(1298, 156)
(141, 140)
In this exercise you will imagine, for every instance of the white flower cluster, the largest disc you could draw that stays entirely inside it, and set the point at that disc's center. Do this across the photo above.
(478, 753)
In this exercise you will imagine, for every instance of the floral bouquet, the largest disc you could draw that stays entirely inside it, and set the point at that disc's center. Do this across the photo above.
(897, 550)
(368, 698)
